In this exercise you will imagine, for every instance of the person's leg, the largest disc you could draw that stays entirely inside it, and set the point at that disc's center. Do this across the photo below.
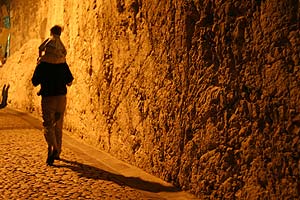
(48, 112)
(50, 158)
(61, 106)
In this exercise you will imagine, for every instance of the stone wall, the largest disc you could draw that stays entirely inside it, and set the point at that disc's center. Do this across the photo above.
(203, 94)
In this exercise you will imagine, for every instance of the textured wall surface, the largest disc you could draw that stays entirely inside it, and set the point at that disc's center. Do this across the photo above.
(204, 94)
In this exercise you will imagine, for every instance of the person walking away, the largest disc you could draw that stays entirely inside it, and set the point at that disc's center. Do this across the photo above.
(4, 96)
(52, 73)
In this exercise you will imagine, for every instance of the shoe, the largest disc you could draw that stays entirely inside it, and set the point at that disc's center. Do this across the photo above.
(50, 160)
(55, 155)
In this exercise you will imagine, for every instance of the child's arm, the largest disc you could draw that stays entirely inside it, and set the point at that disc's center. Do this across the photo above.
(40, 53)
(42, 47)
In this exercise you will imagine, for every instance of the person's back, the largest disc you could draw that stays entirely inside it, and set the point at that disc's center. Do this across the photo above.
(53, 48)
(53, 78)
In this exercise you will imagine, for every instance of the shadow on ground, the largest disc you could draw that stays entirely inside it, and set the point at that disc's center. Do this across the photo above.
(91, 172)
(27, 121)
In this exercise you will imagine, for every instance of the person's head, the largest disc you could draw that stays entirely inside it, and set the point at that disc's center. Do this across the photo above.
(56, 30)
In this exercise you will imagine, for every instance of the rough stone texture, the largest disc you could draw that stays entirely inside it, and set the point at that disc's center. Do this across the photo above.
(24, 174)
(204, 94)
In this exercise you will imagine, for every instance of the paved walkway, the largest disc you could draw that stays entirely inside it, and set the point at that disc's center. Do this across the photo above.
(82, 173)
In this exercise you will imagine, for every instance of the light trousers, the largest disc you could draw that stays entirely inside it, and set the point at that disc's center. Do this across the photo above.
(53, 109)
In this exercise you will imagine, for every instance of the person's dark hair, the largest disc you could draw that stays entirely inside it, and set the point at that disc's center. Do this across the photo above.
(56, 30)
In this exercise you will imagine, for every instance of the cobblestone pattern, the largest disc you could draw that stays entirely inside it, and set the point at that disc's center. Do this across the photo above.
(24, 174)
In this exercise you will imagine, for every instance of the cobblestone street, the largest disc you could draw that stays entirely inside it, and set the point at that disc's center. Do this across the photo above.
(80, 174)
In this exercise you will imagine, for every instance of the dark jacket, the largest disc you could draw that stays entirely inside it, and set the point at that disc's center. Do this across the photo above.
(53, 78)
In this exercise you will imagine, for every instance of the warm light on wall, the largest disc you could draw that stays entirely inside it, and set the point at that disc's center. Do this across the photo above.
(56, 14)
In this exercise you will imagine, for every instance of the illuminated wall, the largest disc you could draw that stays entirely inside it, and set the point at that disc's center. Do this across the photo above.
(204, 94)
